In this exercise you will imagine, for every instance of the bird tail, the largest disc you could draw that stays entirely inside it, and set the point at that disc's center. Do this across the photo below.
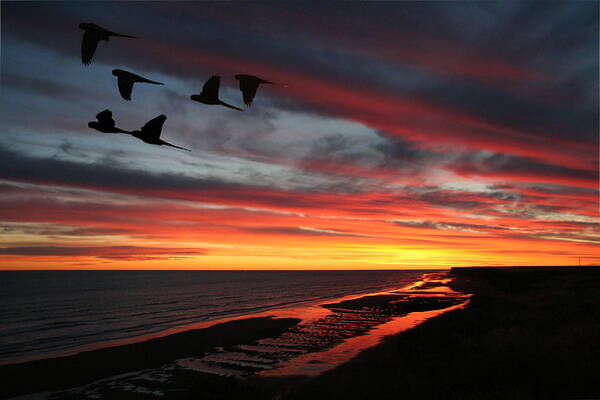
(172, 145)
(273, 83)
(145, 80)
(230, 106)
(121, 35)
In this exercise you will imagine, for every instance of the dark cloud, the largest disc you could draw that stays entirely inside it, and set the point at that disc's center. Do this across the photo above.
(452, 200)
(514, 166)
(106, 252)
(302, 231)
(417, 92)
(20, 167)
(396, 150)
(555, 36)
(446, 225)
(60, 230)
(99, 176)
(41, 86)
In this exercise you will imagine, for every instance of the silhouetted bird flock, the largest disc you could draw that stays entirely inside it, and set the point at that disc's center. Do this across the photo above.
(150, 132)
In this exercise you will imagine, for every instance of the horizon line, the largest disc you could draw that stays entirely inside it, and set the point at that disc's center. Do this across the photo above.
(299, 269)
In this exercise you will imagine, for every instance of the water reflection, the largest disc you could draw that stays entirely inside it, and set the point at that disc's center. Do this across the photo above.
(315, 363)
(332, 333)
(329, 334)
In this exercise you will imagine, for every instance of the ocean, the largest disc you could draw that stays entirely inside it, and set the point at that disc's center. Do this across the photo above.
(54, 313)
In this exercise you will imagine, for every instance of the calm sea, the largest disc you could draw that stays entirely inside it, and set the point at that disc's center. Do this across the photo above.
(50, 313)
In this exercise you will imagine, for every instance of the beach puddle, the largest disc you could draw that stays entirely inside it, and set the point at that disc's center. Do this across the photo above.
(314, 363)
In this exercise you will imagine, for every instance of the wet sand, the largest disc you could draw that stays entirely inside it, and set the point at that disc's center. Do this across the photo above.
(256, 355)
(64, 372)
(527, 333)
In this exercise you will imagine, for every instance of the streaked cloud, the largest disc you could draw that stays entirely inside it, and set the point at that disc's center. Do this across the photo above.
(448, 132)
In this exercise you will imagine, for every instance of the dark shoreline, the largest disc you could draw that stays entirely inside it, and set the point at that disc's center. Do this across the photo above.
(81, 368)
(69, 372)
(528, 333)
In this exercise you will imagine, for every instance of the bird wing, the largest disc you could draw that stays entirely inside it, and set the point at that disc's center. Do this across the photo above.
(106, 114)
(125, 87)
(248, 88)
(153, 127)
(105, 118)
(88, 46)
(211, 87)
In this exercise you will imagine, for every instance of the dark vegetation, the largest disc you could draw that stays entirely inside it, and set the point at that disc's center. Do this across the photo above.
(528, 333)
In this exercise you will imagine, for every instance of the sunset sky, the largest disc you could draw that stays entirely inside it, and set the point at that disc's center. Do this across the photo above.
(410, 135)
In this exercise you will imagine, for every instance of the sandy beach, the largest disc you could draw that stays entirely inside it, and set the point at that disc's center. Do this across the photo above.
(269, 346)
(527, 333)
(470, 333)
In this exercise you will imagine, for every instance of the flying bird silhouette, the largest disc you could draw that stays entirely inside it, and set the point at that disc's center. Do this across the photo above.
(249, 85)
(210, 93)
(105, 123)
(91, 37)
(125, 81)
(150, 132)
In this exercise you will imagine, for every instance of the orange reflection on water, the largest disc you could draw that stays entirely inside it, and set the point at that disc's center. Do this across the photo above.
(314, 363)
